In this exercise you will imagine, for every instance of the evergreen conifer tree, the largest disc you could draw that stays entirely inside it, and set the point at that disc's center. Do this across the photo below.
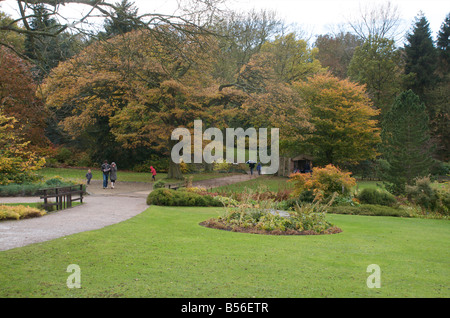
(406, 146)
(421, 58)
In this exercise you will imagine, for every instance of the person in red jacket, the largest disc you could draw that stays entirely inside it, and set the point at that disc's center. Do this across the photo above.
(153, 171)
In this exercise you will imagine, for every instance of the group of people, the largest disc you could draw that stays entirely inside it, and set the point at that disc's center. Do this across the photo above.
(252, 166)
(109, 171)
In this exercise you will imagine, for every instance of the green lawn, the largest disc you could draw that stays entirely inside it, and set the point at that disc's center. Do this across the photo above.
(129, 176)
(272, 183)
(163, 252)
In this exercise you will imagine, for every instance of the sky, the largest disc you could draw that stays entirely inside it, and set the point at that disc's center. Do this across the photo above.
(314, 16)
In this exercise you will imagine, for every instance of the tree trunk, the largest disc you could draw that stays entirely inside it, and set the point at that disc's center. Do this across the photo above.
(174, 171)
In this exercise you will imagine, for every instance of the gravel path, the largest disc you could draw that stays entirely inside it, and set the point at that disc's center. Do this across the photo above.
(102, 207)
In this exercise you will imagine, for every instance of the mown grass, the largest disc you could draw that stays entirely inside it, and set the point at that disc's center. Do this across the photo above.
(124, 176)
(271, 183)
(163, 252)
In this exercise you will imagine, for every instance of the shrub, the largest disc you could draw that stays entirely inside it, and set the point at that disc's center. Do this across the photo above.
(423, 194)
(374, 196)
(159, 184)
(168, 197)
(18, 212)
(444, 201)
(31, 189)
(64, 155)
(323, 182)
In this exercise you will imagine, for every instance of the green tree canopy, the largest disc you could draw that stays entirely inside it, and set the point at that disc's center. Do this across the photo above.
(406, 146)
(377, 64)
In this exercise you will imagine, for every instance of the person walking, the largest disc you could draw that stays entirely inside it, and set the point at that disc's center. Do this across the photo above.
(89, 176)
(113, 175)
(106, 168)
(153, 171)
(252, 166)
(258, 168)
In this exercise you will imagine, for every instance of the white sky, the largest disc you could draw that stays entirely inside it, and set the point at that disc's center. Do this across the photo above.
(315, 16)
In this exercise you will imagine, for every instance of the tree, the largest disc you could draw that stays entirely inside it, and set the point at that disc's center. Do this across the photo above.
(133, 90)
(18, 99)
(344, 126)
(122, 20)
(377, 20)
(293, 60)
(439, 95)
(44, 50)
(101, 8)
(405, 147)
(17, 163)
(240, 36)
(11, 40)
(336, 51)
(377, 64)
(443, 46)
(420, 58)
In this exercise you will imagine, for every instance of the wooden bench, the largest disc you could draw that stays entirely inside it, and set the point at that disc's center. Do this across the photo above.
(175, 186)
(63, 196)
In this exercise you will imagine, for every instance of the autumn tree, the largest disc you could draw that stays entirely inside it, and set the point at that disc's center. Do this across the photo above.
(134, 91)
(269, 102)
(17, 162)
(345, 130)
(293, 59)
(336, 51)
(18, 99)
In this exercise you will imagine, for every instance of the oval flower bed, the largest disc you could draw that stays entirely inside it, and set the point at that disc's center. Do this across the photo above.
(307, 219)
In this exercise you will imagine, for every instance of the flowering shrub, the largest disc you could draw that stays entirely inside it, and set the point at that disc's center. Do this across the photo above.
(323, 182)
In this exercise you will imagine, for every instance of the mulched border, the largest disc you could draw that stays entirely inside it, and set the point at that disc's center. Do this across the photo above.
(214, 224)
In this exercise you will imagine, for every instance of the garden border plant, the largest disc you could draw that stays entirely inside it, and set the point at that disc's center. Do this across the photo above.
(261, 217)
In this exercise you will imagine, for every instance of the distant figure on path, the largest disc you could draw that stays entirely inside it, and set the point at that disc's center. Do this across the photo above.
(113, 175)
(258, 168)
(153, 171)
(106, 168)
(252, 166)
(89, 176)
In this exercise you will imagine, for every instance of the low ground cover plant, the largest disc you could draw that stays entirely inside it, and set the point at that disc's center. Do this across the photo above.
(19, 212)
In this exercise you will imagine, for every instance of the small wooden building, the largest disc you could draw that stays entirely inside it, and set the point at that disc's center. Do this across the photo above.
(302, 163)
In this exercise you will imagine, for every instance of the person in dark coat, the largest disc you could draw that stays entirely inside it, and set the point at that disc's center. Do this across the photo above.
(252, 166)
(113, 174)
(106, 168)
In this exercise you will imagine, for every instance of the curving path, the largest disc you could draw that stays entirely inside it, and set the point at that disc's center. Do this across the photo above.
(101, 208)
